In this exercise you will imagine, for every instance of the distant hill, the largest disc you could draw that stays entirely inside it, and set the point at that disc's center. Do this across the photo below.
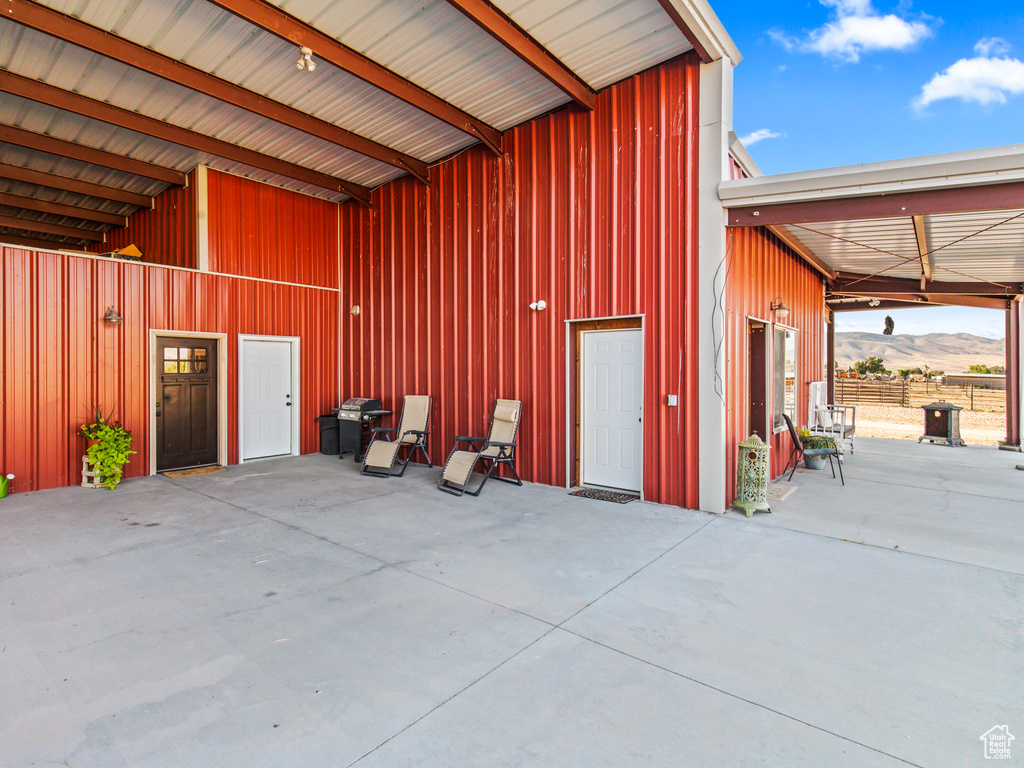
(949, 352)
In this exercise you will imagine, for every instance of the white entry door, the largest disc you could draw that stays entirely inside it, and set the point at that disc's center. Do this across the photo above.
(612, 408)
(266, 398)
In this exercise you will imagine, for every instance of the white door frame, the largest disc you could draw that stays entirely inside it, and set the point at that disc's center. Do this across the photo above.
(156, 370)
(571, 384)
(296, 392)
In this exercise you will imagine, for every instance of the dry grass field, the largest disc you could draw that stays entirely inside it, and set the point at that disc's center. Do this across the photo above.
(976, 427)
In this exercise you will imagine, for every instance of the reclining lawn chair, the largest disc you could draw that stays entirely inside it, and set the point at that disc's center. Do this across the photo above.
(498, 448)
(800, 452)
(413, 428)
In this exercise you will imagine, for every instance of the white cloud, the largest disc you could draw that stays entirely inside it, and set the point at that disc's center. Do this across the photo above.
(759, 135)
(857, 28)
(983, 79)
(991, 46)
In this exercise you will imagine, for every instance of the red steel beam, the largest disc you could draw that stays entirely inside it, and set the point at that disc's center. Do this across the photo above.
(29, 225)
(60, 209)
(275, 21)
(54, 146)
(43, 179)
(1013, 372)
(989, 197)
(37, 242)
(92, 38)
(673, 14)
(150, 126)
(847, 282)
(499, 26)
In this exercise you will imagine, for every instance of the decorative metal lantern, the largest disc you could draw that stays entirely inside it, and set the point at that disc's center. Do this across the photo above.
(752, 476)
(942, 423)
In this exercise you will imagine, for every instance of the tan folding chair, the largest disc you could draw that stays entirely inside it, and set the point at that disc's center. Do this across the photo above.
(382, 456)
(498, 448)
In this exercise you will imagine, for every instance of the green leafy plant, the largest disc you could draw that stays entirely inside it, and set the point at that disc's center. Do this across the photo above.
(811, 441)
(112, 449)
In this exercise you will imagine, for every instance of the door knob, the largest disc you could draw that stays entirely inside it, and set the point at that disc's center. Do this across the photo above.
(158, 413)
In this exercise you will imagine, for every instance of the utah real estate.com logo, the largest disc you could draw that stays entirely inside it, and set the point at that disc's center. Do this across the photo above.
(997, 743)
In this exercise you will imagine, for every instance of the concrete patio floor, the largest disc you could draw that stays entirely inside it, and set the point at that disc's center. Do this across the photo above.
(293, 613)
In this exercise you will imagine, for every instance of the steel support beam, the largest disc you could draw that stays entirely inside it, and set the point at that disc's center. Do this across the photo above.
(150, 126)
(805, 253)
(673, 13)
(1013, 372)
(37, 242)
(499, 26)
(52, 180)
(859, 285)
(61, 148)
(275, 21)
(922, 248)
(989, 197)
(830, 347)
(45, 228)
(59, 209)
(99, 41)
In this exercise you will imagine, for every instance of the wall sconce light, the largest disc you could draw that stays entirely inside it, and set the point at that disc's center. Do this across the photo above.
(537, 306)
(781, 310)
(354, 310)
(305, 60)
(112, 317)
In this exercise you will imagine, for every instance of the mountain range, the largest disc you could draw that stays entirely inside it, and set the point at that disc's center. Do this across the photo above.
(949, 352)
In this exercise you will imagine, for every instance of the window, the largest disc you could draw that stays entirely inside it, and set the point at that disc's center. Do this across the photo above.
(784, 378)
(184, 360)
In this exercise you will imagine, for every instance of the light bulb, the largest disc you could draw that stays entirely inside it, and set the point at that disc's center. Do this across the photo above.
(311, 65)
(300, 64)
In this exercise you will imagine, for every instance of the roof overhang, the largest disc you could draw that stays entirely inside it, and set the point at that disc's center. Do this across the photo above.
(944, 229)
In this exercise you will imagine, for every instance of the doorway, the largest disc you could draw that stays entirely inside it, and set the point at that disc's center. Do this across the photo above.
(609, 409)
(757, 384)
(268, 402)
(186, 405)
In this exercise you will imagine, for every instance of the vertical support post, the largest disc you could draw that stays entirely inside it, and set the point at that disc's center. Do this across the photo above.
(202, 220)
(830, 375)
(1013, 379)
(713, 389)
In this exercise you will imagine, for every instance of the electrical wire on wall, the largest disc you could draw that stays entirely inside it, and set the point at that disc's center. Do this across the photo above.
(718, 313)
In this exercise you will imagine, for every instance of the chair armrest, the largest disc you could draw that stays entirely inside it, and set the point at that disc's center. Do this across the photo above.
(418, 432)
(489, 443)
(375, 430)
(467, 439)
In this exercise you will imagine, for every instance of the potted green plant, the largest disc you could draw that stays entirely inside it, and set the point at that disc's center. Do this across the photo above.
(811, 442)
(4, 484)
(110, 447)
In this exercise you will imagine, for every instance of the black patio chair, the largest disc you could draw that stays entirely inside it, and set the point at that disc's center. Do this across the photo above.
(497, 449)
(800, 452)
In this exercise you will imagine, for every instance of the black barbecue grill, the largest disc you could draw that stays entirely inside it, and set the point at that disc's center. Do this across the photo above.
(354, 420)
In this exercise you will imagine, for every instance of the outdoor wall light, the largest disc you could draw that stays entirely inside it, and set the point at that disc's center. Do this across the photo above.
(305, 60)
(781, 310)
(537, 306)
(112, 316)
(874, 303)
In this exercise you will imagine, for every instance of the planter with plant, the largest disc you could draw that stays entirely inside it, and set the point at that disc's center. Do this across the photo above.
(811, 442)
(5, 483)
(110, 447)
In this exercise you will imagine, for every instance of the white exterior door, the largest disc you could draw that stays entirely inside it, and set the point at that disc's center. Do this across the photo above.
(266, 407)
(612, 408)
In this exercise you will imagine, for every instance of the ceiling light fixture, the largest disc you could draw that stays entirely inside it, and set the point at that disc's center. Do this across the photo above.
(305, 60)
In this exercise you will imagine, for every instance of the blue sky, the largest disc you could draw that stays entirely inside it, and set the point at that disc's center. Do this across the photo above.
(841, 82)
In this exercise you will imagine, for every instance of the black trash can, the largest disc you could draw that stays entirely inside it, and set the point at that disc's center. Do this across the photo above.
(329, 434)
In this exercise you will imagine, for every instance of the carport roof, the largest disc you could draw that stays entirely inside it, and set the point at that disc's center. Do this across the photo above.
(398, 85)
(939, 229)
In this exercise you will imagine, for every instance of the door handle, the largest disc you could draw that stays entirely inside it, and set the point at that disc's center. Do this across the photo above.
(158, 413)
(289, 404)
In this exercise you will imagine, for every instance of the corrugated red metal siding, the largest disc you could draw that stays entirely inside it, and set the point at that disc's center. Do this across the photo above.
(761, 269)
(165, 234)
(262, 231)
(593, 212)
(58, 356)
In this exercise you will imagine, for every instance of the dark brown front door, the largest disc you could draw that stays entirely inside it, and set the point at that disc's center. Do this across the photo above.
(186, 408)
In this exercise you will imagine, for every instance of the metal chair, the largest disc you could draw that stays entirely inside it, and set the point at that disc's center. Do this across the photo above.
(382, 455)
(498, 448)
(836, 421)
(800, 452)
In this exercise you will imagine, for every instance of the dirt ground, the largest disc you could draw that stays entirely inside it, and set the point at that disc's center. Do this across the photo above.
(976, 427)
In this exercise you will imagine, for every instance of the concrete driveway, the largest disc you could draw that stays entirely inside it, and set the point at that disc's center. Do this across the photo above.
(293, 613)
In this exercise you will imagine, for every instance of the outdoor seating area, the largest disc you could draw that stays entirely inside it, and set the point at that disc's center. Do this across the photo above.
(293, 612)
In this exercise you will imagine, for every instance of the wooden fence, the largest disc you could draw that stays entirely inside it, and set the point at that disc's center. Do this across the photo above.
(914, 394)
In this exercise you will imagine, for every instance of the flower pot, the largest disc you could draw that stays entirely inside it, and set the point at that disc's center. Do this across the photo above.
(815, 462)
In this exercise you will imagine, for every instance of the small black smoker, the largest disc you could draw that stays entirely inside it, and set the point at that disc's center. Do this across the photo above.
(942, 423)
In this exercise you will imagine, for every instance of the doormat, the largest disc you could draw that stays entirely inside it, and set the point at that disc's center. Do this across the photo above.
(779, 492)
(196, 471)
(594, 493)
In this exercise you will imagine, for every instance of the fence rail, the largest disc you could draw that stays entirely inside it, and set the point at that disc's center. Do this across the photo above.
(914, 394)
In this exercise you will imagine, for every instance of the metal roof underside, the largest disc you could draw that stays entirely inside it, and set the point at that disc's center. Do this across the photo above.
(942, 229)
(432, 45)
